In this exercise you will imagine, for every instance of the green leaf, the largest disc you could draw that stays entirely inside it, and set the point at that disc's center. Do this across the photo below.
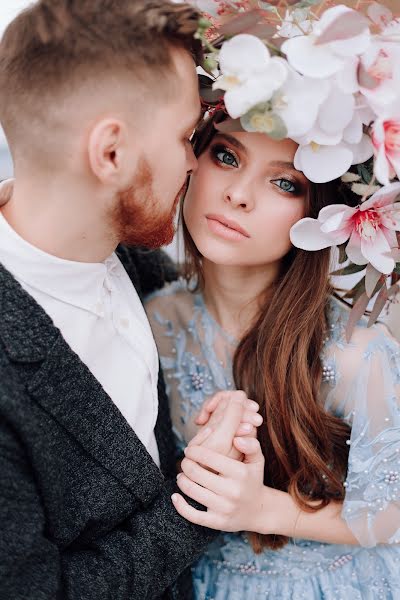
(356, 291)
(365, 173)
(264, 121)
(349, 270)
(356, 313)
(378, 306)
(306, 3)
(342, 254)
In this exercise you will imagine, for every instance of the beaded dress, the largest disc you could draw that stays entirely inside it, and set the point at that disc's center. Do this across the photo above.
(361, 384)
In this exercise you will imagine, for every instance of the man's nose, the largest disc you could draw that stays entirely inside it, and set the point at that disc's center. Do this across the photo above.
(191, 161)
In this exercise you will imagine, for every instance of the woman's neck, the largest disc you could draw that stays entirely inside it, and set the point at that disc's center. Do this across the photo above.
(232, 293)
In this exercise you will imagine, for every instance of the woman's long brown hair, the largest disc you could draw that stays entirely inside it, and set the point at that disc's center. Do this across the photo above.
(277, 363)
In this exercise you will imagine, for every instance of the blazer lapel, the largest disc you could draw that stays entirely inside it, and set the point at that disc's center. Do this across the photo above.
(64, 387)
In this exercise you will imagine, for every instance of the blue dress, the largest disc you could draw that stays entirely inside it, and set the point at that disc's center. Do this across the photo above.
(361, 384)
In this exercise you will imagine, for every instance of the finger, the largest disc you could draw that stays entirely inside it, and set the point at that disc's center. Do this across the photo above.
(254, 418)
(201, 437)
(232, 417)
(228, 467)
(202, 476)
(198, 517)
(212, 403)
(200, 494)
(246, 429)
(6, 191)
(251, 405)
(251, 449)
(209, 407)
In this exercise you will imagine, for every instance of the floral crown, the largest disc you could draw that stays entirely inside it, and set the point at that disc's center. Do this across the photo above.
(329, 79)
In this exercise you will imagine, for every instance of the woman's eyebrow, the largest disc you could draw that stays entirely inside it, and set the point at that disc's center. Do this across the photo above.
(233, 141)
(283, 164)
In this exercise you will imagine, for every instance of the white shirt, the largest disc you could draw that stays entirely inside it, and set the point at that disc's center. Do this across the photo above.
(99, 314)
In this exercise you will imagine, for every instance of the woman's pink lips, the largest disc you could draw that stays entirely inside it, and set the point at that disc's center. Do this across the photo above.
(226, 227)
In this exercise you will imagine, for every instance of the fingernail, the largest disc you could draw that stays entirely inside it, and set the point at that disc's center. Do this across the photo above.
(174, 498)
(246, 427)
(179, 474)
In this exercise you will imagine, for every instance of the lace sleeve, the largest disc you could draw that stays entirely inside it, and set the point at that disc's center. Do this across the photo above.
(367, 393)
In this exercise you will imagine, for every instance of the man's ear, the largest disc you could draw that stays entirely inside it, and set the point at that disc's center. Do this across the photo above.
(107, 150)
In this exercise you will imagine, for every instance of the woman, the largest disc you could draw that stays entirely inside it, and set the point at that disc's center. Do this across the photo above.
(257, 314)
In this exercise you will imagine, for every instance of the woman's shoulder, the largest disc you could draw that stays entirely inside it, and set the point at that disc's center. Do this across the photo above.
(365, 341)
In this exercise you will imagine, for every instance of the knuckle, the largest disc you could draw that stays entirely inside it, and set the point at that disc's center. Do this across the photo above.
(187, 466)
(235, 493)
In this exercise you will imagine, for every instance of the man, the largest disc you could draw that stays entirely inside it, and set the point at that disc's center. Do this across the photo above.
(98, 100)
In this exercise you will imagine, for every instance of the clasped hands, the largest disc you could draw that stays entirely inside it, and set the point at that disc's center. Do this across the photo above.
(223, 468)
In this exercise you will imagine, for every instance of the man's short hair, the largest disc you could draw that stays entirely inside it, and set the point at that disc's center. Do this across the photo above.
(55, 45)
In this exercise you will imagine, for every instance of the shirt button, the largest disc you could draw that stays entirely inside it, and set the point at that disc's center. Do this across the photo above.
(124, 323)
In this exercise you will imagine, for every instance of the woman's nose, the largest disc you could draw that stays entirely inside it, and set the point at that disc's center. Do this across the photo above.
(238, 197)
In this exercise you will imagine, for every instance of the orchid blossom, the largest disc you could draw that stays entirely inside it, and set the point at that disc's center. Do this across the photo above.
(386, 141)
(370, 229)
(250, 75)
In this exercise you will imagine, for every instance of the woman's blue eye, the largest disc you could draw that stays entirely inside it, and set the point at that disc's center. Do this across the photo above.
(225, 157)
(286, 185)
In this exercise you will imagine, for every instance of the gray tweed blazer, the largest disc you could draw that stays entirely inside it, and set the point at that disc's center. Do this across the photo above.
(85, 514)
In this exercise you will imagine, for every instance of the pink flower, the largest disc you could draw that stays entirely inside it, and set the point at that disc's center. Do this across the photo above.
(386, 141)
(370, 228)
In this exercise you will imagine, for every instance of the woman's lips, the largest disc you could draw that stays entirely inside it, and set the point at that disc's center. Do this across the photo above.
(226, 228)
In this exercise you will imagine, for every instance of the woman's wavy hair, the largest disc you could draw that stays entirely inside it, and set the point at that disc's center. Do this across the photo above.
(277, 362)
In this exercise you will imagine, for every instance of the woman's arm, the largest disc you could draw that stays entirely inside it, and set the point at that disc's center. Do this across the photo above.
(282, 516)
(237, 500)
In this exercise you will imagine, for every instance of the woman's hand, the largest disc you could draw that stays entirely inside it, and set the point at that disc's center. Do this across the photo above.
(6, 191)
(233, 492)
(232, 411)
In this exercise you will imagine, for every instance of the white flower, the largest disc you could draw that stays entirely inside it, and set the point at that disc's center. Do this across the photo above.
(379, 76)
(249, 75)
(370, 228)
(341, 34)
(386, 141)
(298, 101)
(296, 22)
(322, 163)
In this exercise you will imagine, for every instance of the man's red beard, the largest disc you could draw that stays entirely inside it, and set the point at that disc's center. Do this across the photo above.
(138, 218)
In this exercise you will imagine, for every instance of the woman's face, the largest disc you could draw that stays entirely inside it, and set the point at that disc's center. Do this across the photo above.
(244, 198)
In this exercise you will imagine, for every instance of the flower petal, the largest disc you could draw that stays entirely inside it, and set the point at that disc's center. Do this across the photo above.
(340, 23)
(353, 250)
(383, 197)
(325, 163)
(311, 60)
(374, 251)
(306, 234)
(361, 151)
(298, 101)
(354, 130)
(243, 54)
(382, 166)
(336, 112)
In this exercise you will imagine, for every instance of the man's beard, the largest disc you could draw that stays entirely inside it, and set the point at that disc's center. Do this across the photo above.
(138, 218)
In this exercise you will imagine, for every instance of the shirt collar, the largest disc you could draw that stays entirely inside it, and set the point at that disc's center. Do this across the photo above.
(77, 283)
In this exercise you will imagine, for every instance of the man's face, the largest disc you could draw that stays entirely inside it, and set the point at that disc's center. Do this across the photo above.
(145, 213)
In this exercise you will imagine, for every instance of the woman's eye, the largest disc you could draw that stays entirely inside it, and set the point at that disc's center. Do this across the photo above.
(225, 157)
(285, 185)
